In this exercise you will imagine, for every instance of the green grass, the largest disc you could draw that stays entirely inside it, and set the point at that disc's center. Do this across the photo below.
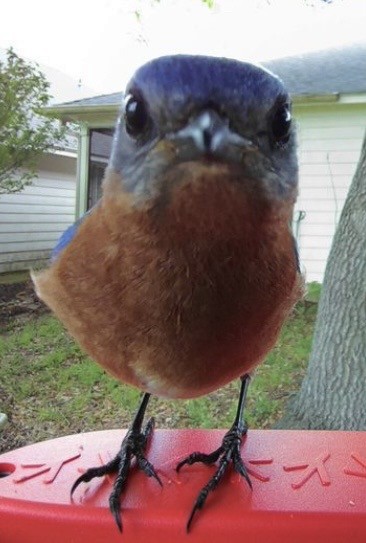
(10, 278)
(48, 387)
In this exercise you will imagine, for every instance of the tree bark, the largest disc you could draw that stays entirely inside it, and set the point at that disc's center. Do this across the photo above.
(333, 392)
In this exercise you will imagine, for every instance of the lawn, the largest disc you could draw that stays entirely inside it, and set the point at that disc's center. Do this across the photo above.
(49, 388)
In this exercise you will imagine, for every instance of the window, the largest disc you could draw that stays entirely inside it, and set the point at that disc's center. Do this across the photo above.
(100, 149)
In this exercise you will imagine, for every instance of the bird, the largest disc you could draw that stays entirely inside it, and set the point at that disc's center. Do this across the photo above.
(180, 278)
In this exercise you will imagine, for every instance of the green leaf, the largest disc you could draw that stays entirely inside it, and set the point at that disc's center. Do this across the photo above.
(24, 133)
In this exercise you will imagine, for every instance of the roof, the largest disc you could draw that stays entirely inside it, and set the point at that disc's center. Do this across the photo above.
(326, 72)
(100, 100)
(330, 71)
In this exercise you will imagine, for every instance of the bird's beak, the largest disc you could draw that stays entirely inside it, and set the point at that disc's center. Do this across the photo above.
(208, 135)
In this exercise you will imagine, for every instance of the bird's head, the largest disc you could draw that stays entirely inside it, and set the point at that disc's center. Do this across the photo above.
(181, 112)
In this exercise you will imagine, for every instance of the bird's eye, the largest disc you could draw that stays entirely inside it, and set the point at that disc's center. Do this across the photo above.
(281, 123)
(136, 116)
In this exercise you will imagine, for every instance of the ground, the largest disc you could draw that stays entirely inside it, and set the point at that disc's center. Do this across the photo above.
(18, 304)
(18, 300)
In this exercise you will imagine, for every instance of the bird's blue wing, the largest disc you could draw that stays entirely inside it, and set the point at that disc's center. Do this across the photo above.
(67, 236)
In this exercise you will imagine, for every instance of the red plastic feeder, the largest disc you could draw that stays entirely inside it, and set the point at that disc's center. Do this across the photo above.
(307, 487)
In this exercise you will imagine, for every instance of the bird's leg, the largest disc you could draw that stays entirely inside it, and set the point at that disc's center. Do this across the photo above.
(133, 445)
(229, 451)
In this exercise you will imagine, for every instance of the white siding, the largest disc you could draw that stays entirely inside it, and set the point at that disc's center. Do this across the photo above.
(32, 221)
(330, 139)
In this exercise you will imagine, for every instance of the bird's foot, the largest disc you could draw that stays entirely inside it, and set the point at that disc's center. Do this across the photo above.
(228, 452)
(133, 446)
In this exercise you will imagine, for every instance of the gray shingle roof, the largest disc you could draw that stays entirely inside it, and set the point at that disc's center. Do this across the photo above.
(338, 70)
(100, 100)
(330, 71)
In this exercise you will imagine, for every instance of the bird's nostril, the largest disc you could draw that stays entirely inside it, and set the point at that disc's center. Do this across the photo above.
(207, 139)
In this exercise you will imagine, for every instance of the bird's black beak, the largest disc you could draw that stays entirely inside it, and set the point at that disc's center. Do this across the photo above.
(208, 135)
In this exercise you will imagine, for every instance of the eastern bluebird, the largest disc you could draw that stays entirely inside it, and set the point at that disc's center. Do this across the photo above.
(179, 280)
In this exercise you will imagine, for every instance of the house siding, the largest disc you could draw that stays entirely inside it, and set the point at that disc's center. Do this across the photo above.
(31, 221)
(330, 139)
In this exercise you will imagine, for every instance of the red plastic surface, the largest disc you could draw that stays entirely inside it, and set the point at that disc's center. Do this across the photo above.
(307, 487)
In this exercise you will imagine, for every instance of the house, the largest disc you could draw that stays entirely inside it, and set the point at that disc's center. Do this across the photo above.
(329, 94)
(32, 220)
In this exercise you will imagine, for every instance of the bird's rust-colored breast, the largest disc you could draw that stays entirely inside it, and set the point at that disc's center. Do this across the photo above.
(179, 297)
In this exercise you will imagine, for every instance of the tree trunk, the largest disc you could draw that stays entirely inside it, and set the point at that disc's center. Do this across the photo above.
(333, 392)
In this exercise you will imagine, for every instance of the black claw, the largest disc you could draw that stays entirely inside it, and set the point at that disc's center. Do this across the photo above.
(206, 459)
(95, 472)
(133, 445)
(188, 525)
(199, 503)
(115, 509)
(227, 453)
(148, 469)
(240, 468)
(149, 427)
(189, 522)
(76, 484)
(181, 464)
